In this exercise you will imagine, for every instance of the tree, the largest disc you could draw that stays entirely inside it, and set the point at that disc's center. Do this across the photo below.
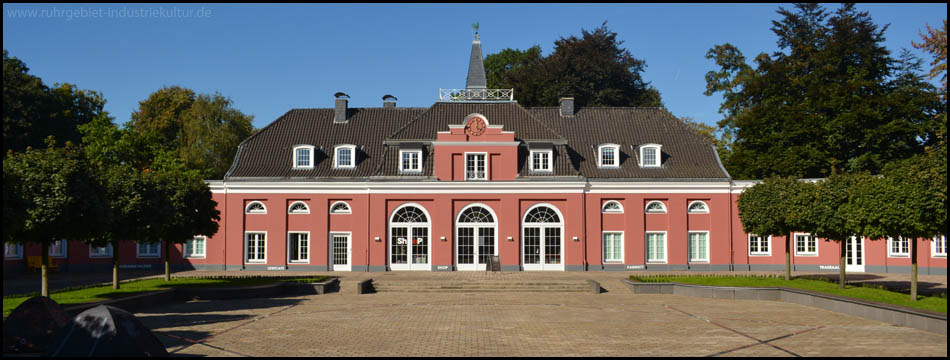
(204, 130)
(935, 43)
(774, 207)
(709, 133)
(32, 111)
(62, 198)
(593, 69)
(183, 209)
(829, 213)
(832, 97)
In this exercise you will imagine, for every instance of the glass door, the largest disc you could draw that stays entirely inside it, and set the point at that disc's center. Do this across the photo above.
(854, 255)
(342, 252)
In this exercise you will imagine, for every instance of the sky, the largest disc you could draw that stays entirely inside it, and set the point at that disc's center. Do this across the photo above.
(272, 58)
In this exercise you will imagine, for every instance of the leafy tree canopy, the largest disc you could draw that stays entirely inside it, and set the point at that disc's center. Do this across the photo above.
(594, 69)
(32, 111)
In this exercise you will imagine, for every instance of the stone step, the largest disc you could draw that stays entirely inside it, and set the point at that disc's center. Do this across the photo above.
(482, 286)
(481, 290)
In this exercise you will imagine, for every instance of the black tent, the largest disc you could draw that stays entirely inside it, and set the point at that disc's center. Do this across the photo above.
(106, 331)
(32, 327)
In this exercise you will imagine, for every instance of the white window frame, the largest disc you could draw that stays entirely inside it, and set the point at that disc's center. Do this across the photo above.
(659, 160)
(806, 252)
(309, 247)
(646, 245)
(487, 166)
(766, 239)
(402, 161)
(290, 208)
(247, 238)
(890, 248)
(65, 250)
(547, 165)
(336, 156)
(933, 246)
(647, 207)
(19, 251)
(600, 156)
(689, 245)
(139, 255)
(247, 209)
(107, 254)
(309, 160)
(193, 255)
(604, 210)
(689, 208)
(349, 209)
(603, 244)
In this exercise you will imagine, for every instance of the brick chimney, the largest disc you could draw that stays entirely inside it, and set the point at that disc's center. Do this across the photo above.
(389, 101)
(339, 111)
(567, 106)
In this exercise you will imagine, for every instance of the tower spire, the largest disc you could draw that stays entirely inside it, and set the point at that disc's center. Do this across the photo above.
(476, 68)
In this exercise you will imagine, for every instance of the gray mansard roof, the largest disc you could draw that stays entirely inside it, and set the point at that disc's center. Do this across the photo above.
(377, 134)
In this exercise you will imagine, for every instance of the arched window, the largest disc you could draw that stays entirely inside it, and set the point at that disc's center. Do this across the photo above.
(476, 214)
(410, 214)
(298, 207)
(656, 207)
(698, 207)
(255, 207)
(340, 207)
(542, 214)
(612, 206)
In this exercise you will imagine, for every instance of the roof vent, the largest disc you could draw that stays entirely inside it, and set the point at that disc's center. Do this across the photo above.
(389, 101)
(567, 106)
(339, 111)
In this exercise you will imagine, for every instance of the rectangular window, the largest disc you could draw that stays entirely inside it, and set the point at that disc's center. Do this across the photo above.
(256, 246)
(940, 246)
(899, 247)
(149, 250)
(195, 248)
(656, 247)
(58, 249)
(541, 160)
(344, 157)
(699, 246)
(475, 167)
(805, 244)
(303, 157)
(12, 251)
(613, 247)
(608, 156)
(649, 156)
(759, 245)
(100, 251)
(410, 161)
(299, 246)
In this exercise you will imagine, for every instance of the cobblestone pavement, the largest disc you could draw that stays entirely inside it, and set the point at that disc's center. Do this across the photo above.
(615, 323)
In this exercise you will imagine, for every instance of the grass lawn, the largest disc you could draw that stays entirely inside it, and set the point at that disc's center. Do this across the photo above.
(98, 293)
(931, 303)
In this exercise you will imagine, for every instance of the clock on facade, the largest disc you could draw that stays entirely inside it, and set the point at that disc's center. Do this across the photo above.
(475, 126)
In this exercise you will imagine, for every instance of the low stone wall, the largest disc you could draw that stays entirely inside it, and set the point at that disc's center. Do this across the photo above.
(133, 303)
(918, 319)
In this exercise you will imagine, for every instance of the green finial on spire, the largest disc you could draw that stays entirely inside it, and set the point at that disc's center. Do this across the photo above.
(475, 26)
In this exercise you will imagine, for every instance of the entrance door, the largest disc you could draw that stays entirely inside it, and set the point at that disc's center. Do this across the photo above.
(475, 238)
(409, 239)
(342, 252)
(543, 239)
(854, 255)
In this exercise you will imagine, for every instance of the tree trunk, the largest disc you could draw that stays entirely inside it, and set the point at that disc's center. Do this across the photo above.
(168, 269)
(788, 258)
(913, 270)
(115, 265)
(841, 265)
(44, 282)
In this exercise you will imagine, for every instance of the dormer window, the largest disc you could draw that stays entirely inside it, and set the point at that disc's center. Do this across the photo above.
(541, 160)
(655, 207)
(303, 157)
(410, 161)
(344, 156)
(608, 156)
(650, 155)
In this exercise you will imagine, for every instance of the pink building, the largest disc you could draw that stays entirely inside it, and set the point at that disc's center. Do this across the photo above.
(476, 177)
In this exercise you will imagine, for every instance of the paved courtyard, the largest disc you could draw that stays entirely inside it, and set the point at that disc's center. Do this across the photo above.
(614, 323)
